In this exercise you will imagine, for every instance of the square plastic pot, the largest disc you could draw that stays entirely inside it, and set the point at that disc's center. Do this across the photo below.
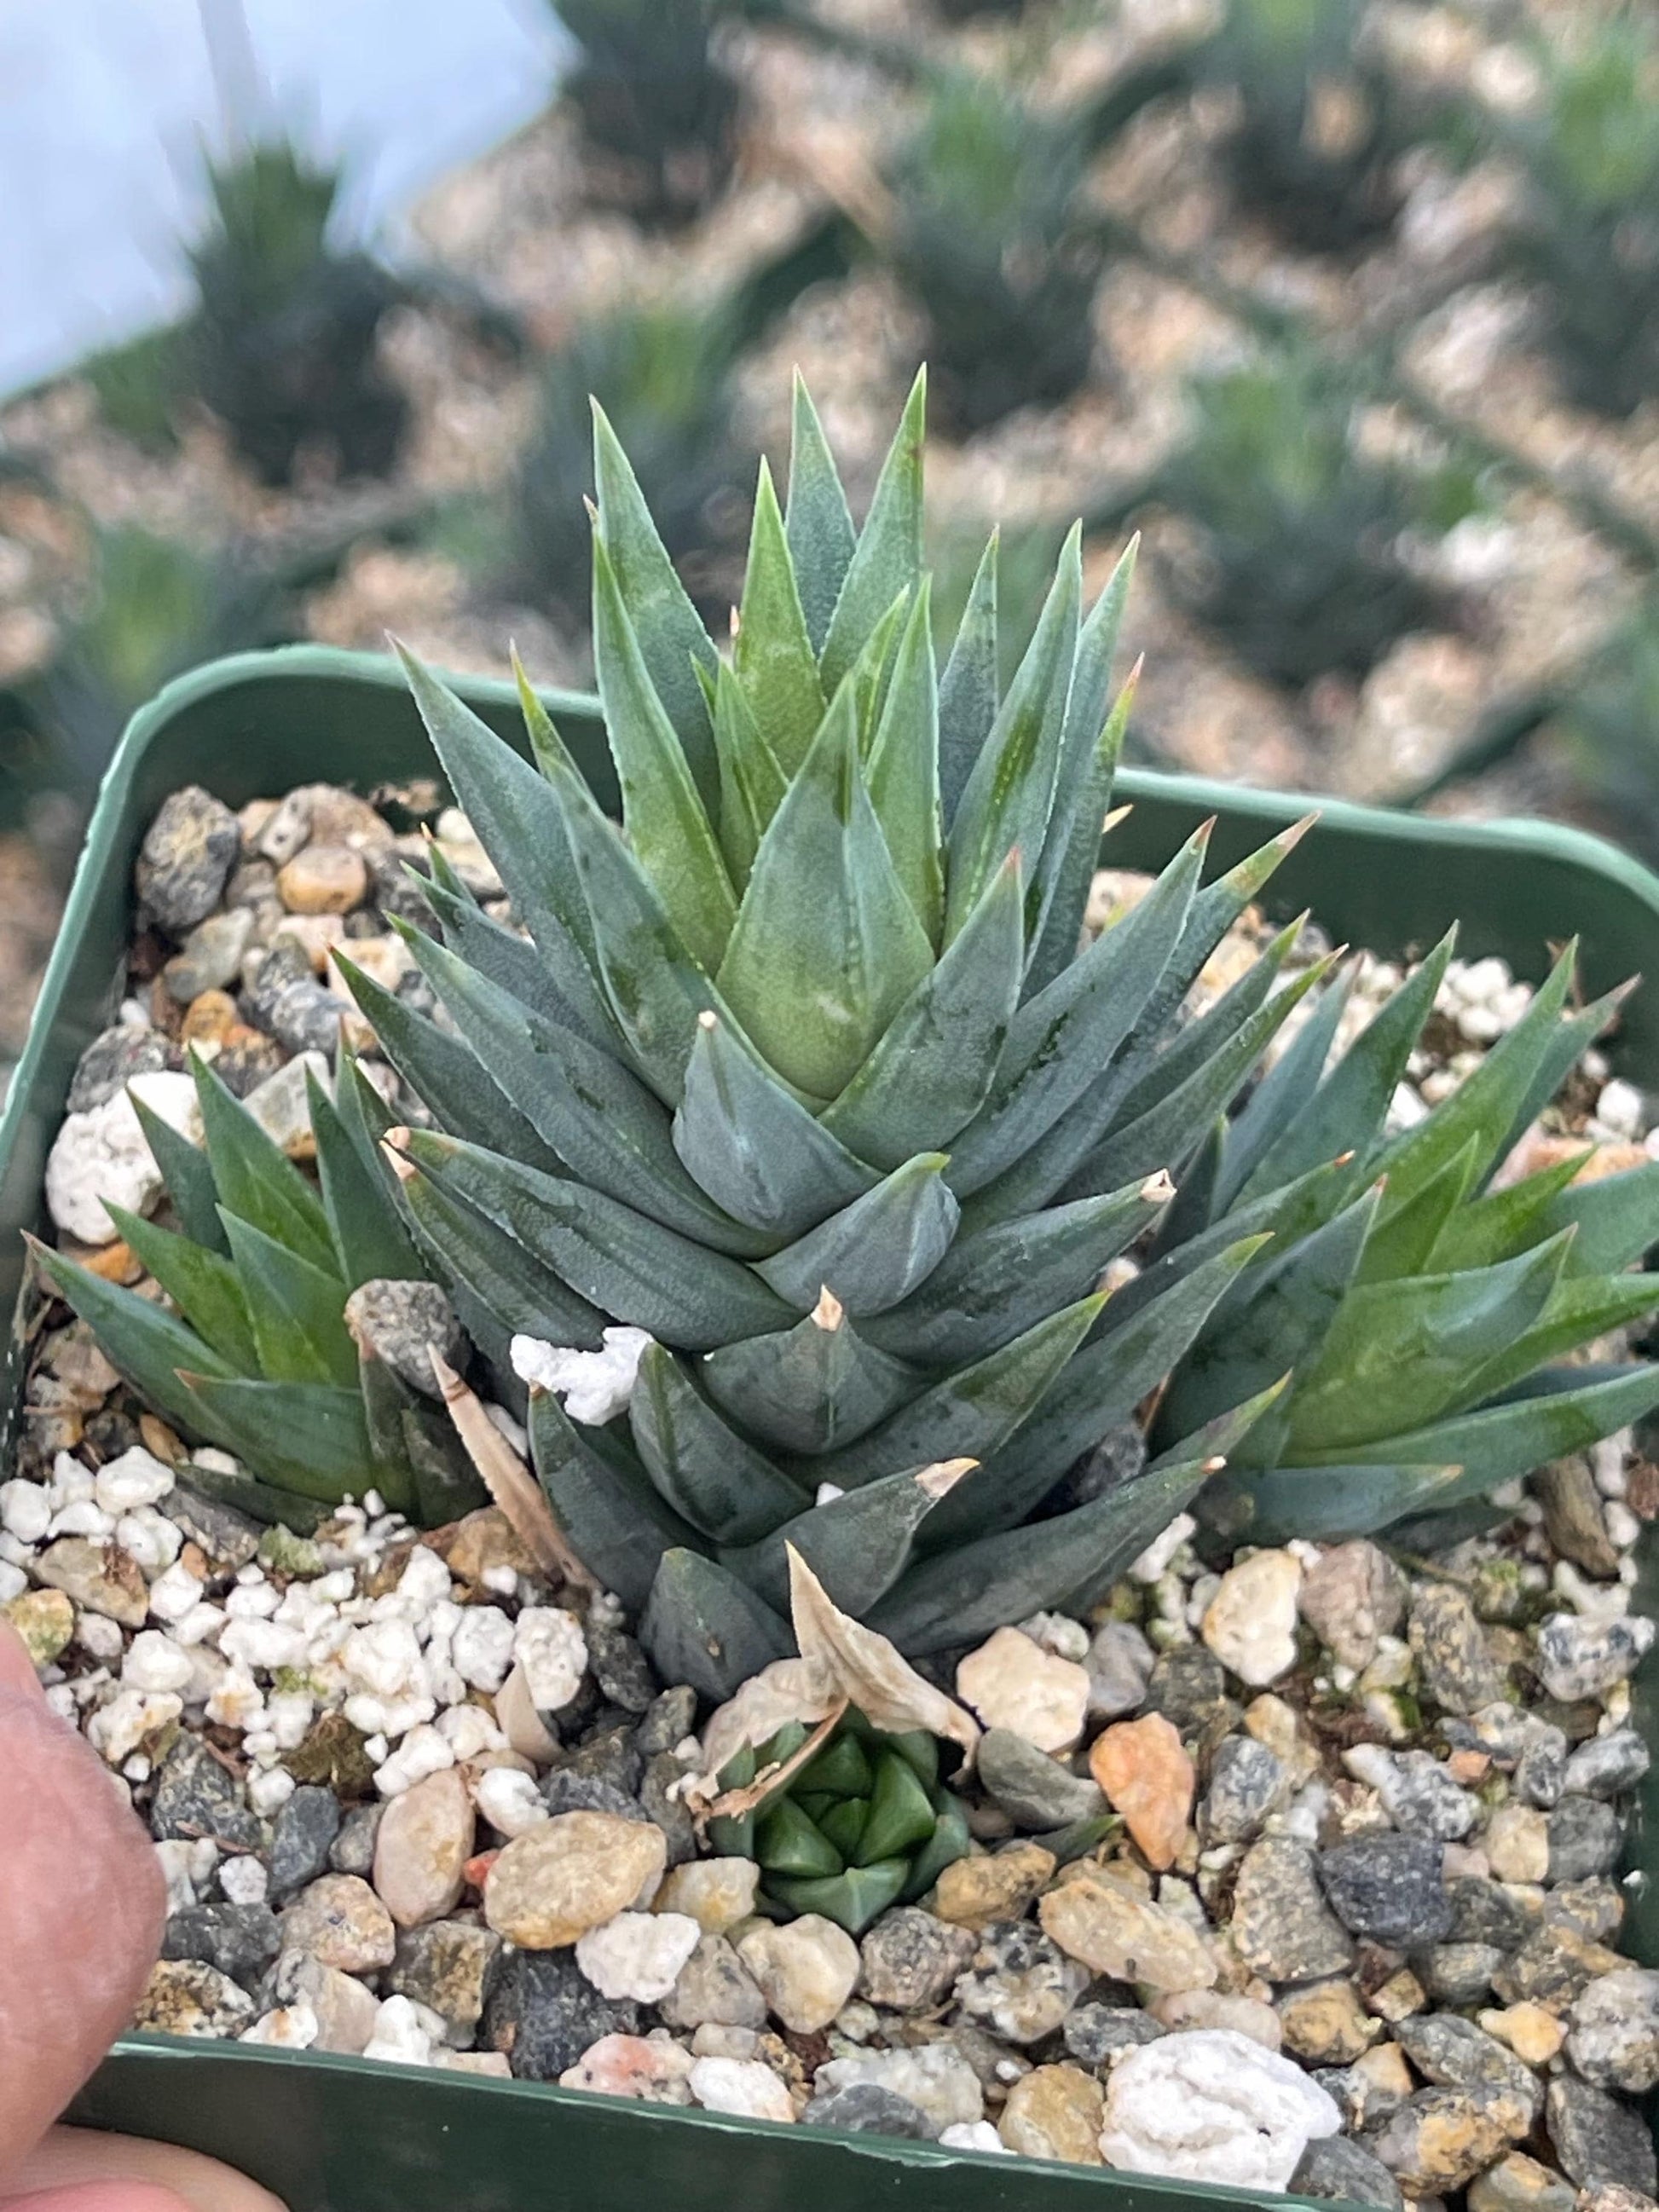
(343, 2135)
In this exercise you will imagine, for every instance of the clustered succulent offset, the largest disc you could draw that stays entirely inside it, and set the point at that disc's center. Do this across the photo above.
(810, 1075)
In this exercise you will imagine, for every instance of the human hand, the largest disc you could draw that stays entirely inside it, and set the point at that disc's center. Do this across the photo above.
(82, 1905)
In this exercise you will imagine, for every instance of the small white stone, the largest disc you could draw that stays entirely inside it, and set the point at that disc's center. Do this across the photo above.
(290, 2027)
(596, 1385)
(270, 1788)
(510, 1800)
(99, 1637)
(1622, 1526)
(383, 1659)
(262, 1646)
(1067, 1639)
(1250, 1624)
(469, 1731)
(155, 1661)
(422, 1752)
(1013, 1683)
(25, 1510)
(1212, 2105)
(742, 2086)
(134, 1477)
(150, 1539)
(83, 1518)
(243, 1880)
(173, 1856)
(290, 1713)
(638, 1954)
(13, 1582)
(423, 1583)
(973, 2135)
(201, 1625)
(252, 1601)
(548, 1644)
(806, 1969)
(483, 1647)
(1620, 1109)
(116, 1730)
(1150, 1565)
(399, 2035)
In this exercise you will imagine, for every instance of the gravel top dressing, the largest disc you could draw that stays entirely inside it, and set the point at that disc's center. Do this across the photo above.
(1297, 1869)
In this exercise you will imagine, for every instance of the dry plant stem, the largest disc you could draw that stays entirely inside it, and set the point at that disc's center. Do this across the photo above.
(505, 1476)
(734, 1803)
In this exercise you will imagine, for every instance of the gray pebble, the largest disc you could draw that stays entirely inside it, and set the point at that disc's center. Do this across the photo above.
(669, 1718)
(1483, 1912)
(1454, 2053)
(1337, 2167)
(446, 1964)
(240, 1939)
(563, 1791)
(1119, 1665)
(868, 2108)
(1248, 1781)
(1598, 2139)
(1604, 1765)
(110, 1062)
(1094, 2033)
(1455, 1666)
(714, 1988)
(543, 2012)
(188, 851)
(398, 1323)
(623, 1671)
(230, 1539)
(1388, 1889)
(195, 1797)
(1579, 1658)
(1282, 1925)
(1036, 1791)
(1019, 1983)
(1459, 1973)
(1614, 2038)
(1189, 1686)
(1586, 1837)
(352, 1851)
(210, 957)
(910, 1960)
(301, 1836)
(663, 1774)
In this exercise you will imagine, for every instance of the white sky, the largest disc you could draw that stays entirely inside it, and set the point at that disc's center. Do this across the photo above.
(105, 104)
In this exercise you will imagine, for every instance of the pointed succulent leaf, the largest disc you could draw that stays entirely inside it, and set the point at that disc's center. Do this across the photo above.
(597, 1119)
(255, 1179)
(874, 1252)
(752, 784)
(817, 522)
(1281, 1095)
(296, 1309)
(201, 1283)
(1563, 1410)
(702, 1626)
(1149, 1078)
(149, 1347)
(1321, 1505)
(1581, 1308)
(671, 635)
(887, 559)
(700, 1464)
(521, 969)
(443, 1072)
(933, 1067)
(857, 1545)
(1285, 1314)
(471, 1253)
(753, 1147)
(1568, 1041)
(261, 1501)
(967, 693)
(810, 1387)
(368, 1235)
(994, 1284)
(789, 1842)
(629, 1266)
(773, 655)
(827, 946)
(1436, 1330)
(1097, 1389)
(901, 1816)
(971, 1412)
(1069, 861)
(612, 1518)
(309, 1437)
(903, 770)
(188, 1173)
(1092, 683)
(1059, 1042)
(667, 825)
(1616, 1216)
(852, 1900)
(1401, 1244)
(872, 673)
(1010, 793)
(1501, 1222)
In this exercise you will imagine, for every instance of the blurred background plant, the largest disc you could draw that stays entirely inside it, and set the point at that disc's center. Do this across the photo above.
(1352, 306)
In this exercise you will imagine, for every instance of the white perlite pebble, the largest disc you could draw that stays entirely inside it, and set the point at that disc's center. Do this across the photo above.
(270, 1789)
(290, 2027)
(1150, 1565)
(638, 1954)
(1250, 1623)
(116, 1730)
(402, 2034)
(510, 1800)
(133, 1478)
(1210, 2105)
(596, 1386)
(742, 2086)
(550, 1646)
(482, 1648)
(1013, 1683)
(25, 1510)
(243, 1880)
(102, 1154)
(155, 1661)
(974, 2135)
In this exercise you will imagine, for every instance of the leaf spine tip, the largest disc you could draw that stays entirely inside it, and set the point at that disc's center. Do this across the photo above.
(943, 1475)
(829, 1313)
(1158, 1189)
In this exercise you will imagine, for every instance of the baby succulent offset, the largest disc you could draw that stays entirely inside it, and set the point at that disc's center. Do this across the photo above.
(260, 1357)
(807, 1077)
(864, 1823)
(1421, 1306)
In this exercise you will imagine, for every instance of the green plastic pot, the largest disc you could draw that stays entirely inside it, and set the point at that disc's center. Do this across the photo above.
(343, 2135)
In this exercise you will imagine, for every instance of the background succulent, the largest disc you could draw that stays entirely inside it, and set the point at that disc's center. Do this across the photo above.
(1590, 230)
(257, 1351)
(653, 97)
(712, 1098)
(1438, 1323)
(1300, 567)
(989, 236)
(866, 1823)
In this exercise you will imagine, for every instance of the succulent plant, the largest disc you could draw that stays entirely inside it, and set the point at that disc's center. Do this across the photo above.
(1589, 231)
(806, 1078)
(652, 95)
(254, 1351)
(1437, 1321)
(864, 1823)
(281, 343)
(1300, 568)
(1318, 123)
(663, 375)
(989, 239)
